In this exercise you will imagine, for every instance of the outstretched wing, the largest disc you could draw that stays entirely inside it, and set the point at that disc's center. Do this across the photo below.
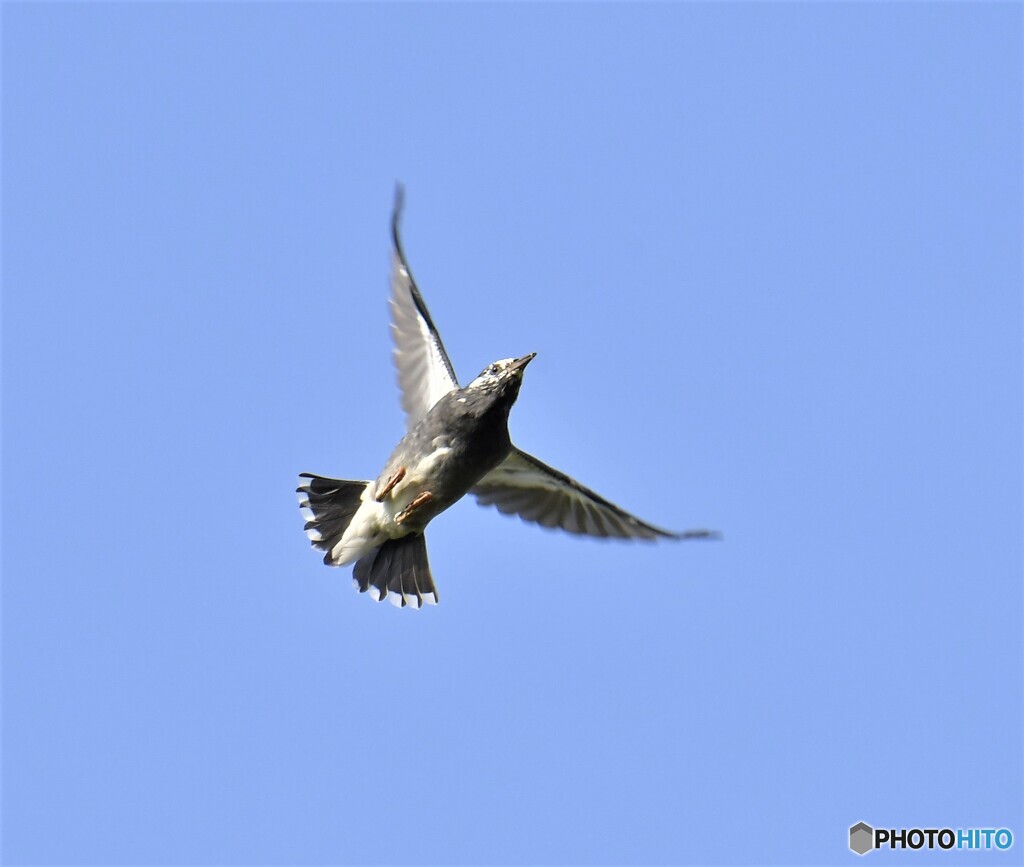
(525, 486)
(425, 373)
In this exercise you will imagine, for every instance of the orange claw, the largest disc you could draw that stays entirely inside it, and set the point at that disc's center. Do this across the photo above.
(396, 477)
(421, 498)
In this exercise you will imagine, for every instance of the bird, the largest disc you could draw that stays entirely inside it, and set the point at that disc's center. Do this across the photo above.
(456, 442)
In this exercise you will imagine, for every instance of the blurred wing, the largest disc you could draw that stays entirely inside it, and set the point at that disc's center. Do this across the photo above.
(525, 486)
(425, 373)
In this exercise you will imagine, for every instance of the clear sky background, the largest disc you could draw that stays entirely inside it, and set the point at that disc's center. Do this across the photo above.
(771, 259)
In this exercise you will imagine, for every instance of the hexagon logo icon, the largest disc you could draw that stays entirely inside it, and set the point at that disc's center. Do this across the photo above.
(862, 838)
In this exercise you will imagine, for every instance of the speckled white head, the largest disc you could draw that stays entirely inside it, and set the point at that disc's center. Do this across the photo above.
(501, 371)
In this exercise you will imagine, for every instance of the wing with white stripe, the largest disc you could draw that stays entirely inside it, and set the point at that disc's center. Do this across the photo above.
(425, 373)
(524, 486)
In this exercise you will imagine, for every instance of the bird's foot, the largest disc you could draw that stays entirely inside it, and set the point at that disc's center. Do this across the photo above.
(396, 477)
(421, 498)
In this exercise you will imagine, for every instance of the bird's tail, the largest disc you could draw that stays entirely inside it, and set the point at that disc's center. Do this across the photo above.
(398, 571)
(328, 505)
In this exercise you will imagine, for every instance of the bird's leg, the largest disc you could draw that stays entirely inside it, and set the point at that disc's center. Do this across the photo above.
(421, 498)
(396, 477)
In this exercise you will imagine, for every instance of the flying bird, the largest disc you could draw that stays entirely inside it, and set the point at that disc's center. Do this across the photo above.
(456, 442)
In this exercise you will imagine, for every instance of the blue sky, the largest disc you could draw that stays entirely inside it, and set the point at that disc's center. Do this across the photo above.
(770, 258)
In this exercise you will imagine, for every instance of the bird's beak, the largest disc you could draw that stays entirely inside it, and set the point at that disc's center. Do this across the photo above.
(520, 363)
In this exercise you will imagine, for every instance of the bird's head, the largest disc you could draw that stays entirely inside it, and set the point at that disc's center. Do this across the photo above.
(502, 376)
